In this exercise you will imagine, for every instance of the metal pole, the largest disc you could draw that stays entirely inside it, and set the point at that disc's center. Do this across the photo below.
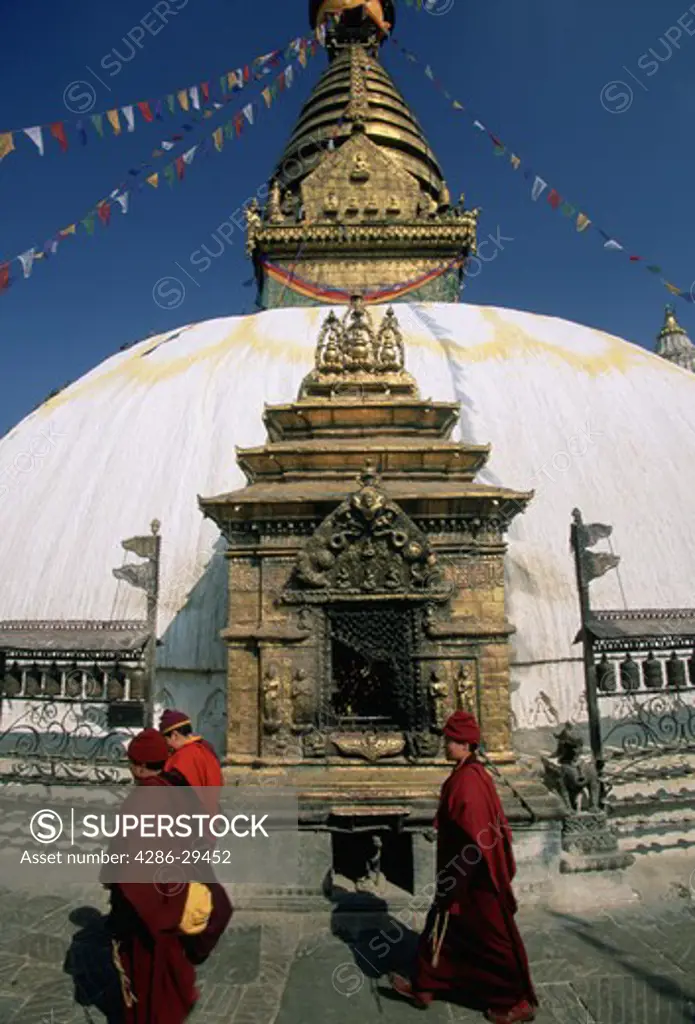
(152, 603)
(587, 644)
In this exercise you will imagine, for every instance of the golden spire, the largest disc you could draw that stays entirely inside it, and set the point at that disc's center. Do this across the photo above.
(674, 344)
(671, 325)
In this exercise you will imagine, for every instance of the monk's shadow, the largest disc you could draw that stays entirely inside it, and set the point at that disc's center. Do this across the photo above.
(378, 941)
(89, 962)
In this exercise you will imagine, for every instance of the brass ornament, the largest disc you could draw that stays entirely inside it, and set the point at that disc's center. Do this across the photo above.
(370, 746)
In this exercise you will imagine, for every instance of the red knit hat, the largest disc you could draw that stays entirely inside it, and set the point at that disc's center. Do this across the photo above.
(148, 747)
(462, 727)
(172, 720)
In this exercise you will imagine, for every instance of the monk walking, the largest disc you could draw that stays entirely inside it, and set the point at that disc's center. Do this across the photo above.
(471, 947)
(189, 755)
(160, 930)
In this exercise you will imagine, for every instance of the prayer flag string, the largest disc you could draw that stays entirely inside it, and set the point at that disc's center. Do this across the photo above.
(192, 98)
(539, 187)
(171, 172)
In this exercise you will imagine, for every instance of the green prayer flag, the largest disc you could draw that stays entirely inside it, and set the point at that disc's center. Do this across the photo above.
(223, 83)
(98, 122)
(499, 150)
(89, 223)
(568, 210)
(229, 130)
(171, 103)
(169, 174)
(654, 270)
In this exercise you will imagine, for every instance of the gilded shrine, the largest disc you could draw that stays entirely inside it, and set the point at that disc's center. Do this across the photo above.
(366, 582)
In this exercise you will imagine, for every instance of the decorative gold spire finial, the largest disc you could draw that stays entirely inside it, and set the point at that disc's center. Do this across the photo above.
(671, 325)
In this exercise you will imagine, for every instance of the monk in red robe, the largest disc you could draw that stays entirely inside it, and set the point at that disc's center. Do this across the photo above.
(471, 948)
(153, 955)
(190, 756)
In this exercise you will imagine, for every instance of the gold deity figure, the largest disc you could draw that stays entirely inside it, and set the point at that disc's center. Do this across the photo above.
(274, 203)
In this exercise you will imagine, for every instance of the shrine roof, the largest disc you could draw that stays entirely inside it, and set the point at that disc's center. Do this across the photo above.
(65, 636)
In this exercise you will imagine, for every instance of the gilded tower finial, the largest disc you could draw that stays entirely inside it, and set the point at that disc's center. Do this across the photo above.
(671, 325)
(673, 342)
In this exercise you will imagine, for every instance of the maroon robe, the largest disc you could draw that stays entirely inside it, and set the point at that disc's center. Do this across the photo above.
(157, 958)
(482, 959)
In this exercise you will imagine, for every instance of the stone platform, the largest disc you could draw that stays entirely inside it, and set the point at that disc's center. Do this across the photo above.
(617, 965)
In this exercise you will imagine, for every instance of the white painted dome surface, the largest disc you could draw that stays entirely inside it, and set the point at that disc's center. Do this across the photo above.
(583, 418)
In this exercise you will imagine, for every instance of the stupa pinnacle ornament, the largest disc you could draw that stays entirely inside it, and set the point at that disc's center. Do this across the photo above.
(365, 208)
(674, 344)
(353, 357)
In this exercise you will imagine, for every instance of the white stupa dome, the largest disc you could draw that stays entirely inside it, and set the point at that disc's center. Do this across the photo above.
(583, 418)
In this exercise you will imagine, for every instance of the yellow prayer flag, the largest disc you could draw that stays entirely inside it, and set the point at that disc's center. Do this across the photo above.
(183, 98)
(208, 113)
(301, 57)
(515, 161)
(113, 121)
(457, 106)
(582, 222)
(672, 288)
(217, 139)
(153, 179)
(6, 144)
(69, 230)
(267, 96)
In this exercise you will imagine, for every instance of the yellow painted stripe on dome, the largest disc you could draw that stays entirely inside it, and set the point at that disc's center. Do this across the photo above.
(509, 341)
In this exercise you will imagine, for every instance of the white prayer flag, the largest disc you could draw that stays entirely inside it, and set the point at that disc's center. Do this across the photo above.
(248, 112)
(195, 98)
(36, 136)
(539, 186)
(27, 261)
(130, 117)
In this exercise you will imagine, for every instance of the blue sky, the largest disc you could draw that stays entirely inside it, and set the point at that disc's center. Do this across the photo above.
(534, 73)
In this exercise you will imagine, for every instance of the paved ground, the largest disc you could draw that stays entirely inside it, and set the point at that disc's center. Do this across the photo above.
(629, 966)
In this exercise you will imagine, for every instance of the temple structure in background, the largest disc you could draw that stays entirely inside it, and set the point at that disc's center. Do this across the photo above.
(358, 202)
(674, 344)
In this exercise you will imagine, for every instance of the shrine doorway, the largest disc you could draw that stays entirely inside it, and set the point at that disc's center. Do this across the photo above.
(372, 683)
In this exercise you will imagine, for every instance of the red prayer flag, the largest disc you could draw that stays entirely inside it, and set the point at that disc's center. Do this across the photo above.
(247, 73)
(180, 167)
(496, 141)
(58, 132)
(636, 259)
(281, 81)
(104, 211)
(4, 276)
(238, 123)
(205, 91)
(554, 198)
(144, 109)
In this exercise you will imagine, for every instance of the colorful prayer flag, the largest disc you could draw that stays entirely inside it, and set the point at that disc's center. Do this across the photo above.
(144, 109)
(129, 117)
(6, 144)
(104, 212)
(153, 180)
(171, 103)
(267, 96)
(180, 167)
(514, 161)
(205, 91)
(57, 130)
(169, 174)
(27, 261)
(195, 97)
(568, 210)
(612, 245)
(82, 132)
(217, 138)
(89, 223)
(182, 97)
(98, 122)
(539, 186)
(36, 136)
(554, 198)
(4, 276)
(248, 112)
(113, 121)
(582, 222)
(69, 230)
